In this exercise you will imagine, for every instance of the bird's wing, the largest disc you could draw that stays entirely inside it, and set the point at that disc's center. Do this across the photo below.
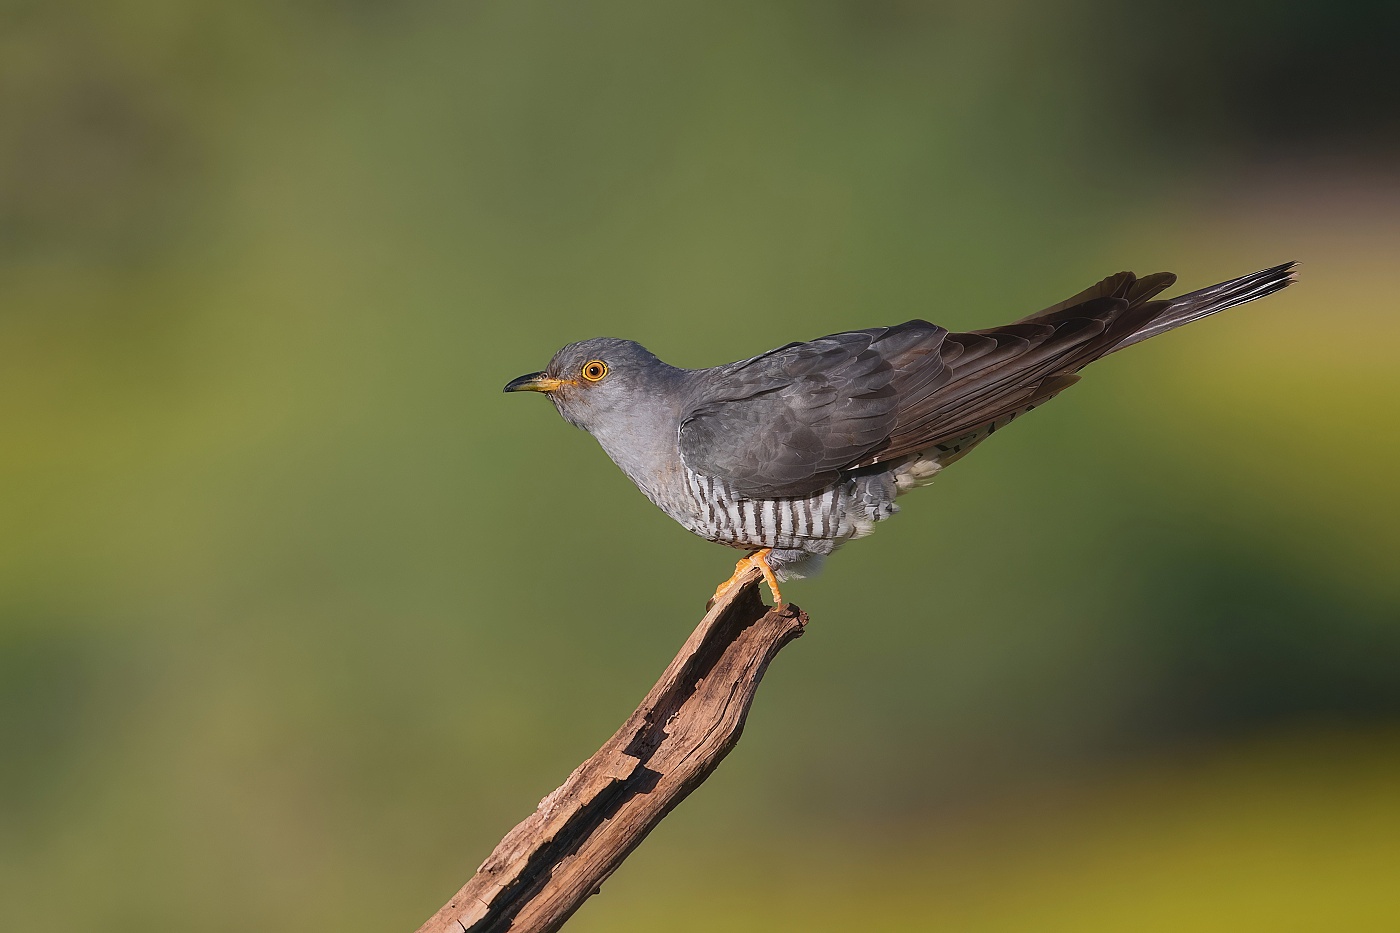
(790, 421)
(955, 386)
(786, 422)
(1122, 285)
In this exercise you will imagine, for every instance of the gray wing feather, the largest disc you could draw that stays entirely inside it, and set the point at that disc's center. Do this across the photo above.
(786, 422)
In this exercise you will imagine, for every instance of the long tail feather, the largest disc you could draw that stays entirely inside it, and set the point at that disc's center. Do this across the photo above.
(1193, 306)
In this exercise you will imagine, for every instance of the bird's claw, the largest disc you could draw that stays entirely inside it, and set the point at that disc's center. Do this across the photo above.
(757, 559)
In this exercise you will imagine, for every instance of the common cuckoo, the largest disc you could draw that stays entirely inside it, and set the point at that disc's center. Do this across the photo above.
(792, 453)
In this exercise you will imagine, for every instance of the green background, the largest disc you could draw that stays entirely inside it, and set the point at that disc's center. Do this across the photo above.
(299, 614)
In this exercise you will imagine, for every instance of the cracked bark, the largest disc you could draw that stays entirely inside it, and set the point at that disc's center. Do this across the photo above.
(546, 867)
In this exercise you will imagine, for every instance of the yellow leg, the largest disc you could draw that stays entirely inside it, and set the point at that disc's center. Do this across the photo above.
(757, 559)
(761, 559)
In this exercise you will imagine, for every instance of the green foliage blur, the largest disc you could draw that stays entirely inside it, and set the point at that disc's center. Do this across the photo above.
(299, 614)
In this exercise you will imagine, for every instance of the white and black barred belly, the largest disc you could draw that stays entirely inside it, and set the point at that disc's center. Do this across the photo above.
(814, 523)
(801, 530)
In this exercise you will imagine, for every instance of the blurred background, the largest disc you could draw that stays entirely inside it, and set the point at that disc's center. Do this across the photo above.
(299, 614)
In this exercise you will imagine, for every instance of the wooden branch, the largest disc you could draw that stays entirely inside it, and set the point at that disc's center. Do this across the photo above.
(545, 868)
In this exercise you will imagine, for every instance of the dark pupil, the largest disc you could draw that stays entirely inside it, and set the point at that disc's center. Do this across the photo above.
(594, 369)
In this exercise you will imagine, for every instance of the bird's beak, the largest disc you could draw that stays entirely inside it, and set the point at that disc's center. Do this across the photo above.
(533, 382)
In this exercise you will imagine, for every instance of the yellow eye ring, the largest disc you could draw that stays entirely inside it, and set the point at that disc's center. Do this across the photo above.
(594, 370)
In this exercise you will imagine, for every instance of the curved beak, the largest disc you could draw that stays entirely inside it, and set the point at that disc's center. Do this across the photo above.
(533, 382)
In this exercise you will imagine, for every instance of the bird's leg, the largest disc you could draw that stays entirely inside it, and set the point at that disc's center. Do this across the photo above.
(761, 560)
(757, 559)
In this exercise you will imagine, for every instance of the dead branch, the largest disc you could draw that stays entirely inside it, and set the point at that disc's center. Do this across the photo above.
(545, 868)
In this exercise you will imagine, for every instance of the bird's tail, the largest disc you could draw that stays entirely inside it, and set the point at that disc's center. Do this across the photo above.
(1162, 316)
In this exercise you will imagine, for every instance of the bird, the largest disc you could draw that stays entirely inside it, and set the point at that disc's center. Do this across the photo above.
(789, 454)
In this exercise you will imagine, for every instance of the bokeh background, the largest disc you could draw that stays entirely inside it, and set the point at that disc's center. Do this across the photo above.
(299, 614)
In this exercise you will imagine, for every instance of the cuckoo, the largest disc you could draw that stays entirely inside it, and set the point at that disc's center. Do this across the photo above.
(789, 454)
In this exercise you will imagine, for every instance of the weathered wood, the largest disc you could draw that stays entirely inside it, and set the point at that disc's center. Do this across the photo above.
(547, 866)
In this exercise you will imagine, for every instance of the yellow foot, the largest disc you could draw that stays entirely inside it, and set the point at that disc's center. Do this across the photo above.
(757, 559)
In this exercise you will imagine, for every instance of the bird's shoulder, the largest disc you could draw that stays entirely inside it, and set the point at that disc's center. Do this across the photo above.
(784, 422)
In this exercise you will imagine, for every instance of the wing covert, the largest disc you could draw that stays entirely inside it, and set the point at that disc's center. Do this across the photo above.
(784, 423)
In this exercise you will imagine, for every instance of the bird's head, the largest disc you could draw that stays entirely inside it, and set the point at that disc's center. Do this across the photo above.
(600, 382)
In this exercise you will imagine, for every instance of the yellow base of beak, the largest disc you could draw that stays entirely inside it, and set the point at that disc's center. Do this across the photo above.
(534, 382)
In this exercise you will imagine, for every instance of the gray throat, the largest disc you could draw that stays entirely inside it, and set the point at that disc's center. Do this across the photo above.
(642, 441)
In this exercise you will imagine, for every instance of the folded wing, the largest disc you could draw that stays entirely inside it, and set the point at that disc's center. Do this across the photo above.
(787, 422)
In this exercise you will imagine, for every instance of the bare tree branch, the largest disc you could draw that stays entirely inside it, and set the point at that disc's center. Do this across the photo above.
(546, 867)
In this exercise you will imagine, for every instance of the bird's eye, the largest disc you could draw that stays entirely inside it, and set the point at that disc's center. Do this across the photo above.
(594, 370)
